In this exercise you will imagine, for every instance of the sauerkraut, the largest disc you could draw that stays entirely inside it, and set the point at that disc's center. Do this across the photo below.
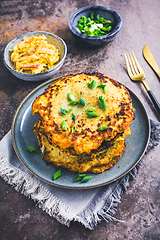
(34, 55)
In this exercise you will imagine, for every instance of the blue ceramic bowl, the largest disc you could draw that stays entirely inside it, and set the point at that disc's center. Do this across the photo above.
(52, 39)
(104, 12)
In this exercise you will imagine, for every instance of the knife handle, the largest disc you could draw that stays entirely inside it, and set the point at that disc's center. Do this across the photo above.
(154, 100)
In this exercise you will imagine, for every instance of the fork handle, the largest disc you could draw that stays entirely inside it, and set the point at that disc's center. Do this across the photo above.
(154, 100)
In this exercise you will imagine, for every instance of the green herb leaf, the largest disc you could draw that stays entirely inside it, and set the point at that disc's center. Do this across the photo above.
(92, 84)
(102, 102)
(91, 114)
(102, 128)
(80, 177)
(64, 125)
(74, 103)
(64, 111)
(91, 109)
(57, 174)
(71, 97)
(82, 102)
(86, 179)
(74, 117)
(32, 149)
(73, 129)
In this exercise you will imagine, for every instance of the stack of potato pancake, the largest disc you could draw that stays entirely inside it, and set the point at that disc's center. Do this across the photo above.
(83, 121)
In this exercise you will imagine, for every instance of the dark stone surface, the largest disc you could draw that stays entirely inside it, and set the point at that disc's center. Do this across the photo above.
(139, 207)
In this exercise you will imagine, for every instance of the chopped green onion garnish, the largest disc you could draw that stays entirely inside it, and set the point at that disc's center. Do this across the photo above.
(71, 97)
(80, 177)
(102, 86)
(94, 26)
(57, 174)
(70, 110)
(73, 103)
(102, 128)
(64, 111)
(32, 149)
(43, 150)
(91, 109)
(102, 102)
(92, 84)
(74, 117)
(82, 102)
(86, 179)
(64, 125)
(73, 129)
(91, 114)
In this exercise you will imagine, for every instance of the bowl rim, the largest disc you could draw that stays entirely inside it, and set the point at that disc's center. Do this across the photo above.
(6, 50)
(110, 34)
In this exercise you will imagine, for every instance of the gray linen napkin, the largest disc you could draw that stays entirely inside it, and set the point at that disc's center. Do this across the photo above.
(93, 204)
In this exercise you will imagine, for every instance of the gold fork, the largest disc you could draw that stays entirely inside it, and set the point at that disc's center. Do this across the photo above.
(136, 74)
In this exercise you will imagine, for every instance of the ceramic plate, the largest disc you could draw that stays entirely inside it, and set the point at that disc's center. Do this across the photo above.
(23, 137)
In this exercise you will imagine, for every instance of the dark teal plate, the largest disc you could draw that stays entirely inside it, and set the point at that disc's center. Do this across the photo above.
(23, 137)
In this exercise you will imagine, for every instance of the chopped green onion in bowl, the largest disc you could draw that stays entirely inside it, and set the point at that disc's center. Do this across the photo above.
(94, 26)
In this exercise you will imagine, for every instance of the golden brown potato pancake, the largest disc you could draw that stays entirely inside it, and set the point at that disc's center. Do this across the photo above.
(86, 136)
(106, 157)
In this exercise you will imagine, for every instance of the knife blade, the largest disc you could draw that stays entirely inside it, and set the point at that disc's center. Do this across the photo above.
(150, 59)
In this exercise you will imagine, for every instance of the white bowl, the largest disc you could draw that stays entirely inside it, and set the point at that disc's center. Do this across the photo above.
(51, 39)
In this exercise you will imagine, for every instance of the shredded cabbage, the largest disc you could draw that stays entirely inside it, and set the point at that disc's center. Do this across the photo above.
(34, 55)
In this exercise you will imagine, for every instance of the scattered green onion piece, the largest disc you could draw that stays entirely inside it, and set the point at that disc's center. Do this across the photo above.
(43, 150)
(91, 114)
(82, 102)
(63, 111)
(91, 109)
(74, 116)
(104, 90)
(102, 102)
(57, 174)
(74, 103)
(82, 178)
(70, 110)
(92, 84)
(102, 128)
(102, 86)
(73, 129)
(32, 149)
(71, 97)
(86, 179)
(64, 125)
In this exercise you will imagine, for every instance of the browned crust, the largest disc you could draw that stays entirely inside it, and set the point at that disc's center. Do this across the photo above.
(86, 137)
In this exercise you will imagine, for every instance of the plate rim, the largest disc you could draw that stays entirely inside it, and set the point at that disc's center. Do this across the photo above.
(68, 187)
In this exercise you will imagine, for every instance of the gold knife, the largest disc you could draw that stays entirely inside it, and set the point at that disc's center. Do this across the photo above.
(150, 59)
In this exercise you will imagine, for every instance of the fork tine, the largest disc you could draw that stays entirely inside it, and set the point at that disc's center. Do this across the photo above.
(133, 62)
(137, 63)
(128, 64)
